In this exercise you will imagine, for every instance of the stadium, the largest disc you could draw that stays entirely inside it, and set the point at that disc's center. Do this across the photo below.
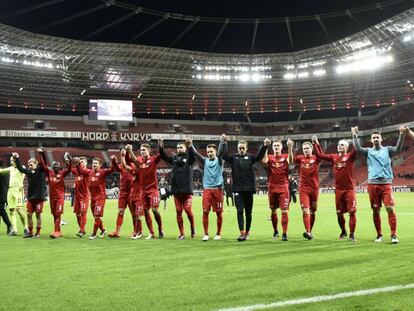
(197, 96)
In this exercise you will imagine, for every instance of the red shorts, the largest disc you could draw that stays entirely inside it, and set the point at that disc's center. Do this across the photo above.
(97, 207)
(136, 206)
(183, 201)
(213, 199)
(279, 199)
(379, 194)
(56, 206)
(34, 206)
(150, 199)
(80, 207)
(124, 202)
(309, 198)
(345, 201)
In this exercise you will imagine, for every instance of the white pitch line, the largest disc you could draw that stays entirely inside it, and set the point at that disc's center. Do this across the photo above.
(314, 299)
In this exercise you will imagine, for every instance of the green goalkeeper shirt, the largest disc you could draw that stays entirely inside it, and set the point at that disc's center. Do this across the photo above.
(16, 178)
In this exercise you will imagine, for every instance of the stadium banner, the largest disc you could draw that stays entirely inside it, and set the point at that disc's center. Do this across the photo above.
(115, 136)
(39, 134)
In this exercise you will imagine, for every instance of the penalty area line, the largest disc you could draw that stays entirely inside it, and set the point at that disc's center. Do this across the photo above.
(299, 301)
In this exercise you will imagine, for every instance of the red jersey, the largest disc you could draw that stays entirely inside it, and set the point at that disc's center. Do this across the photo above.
(56, 180)
(147, 172)
(278, 172)
(81, 182)
(308, 171)
(125, 181)
(343, 167)
(97, 183)
(135, 185)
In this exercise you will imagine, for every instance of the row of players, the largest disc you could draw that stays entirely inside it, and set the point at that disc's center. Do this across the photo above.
(139, 190)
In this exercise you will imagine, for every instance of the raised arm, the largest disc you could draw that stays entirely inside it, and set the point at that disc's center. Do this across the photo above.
(124, 162)
(398, 147)
(198, 156)
(131, 154)
(290, 144)
(265, 159)
(19, 164)
(191, 151)
(355, 141)
(162, 153)
(319, 151)
(42, 161)
(225, 156)
(262, 151)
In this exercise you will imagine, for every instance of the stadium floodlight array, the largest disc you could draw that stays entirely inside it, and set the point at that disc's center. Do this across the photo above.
(338, 73)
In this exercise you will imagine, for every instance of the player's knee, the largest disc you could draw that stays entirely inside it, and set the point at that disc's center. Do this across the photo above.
(285, 211)
(155, 210)
(390, 209)
(274, 210)
(305, 211)
(121, 211)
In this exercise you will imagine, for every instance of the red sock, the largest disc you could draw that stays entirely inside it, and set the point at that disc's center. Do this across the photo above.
(148, 220)
(312, 219)
(96, 225)
(78, 218)
(392, 220)
(341, 221)
(274, 221)
(205, 222)
(137, 225)
(285, 221)
(31, 229)
(190, 217)
(119, 221)
(83, 222)
(180, 222)
(158, 219)
(38, 230)
(306, 222)
(352, 223)
(219, 222)
(101, 225)
(57, 223)
(377, 223)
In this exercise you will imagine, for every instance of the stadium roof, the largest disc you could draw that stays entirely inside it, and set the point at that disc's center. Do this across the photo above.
(230, 26)
(372, 67)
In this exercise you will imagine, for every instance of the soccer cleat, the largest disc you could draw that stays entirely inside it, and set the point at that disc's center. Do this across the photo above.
(103, 234)
(58, 234)
(10, 229)
(13, 233)
(276, 234)
(150, 237)
(136, 236)
(52, 235)
(379, 238)
(161, 234)
(27, 234)
(284, 237)
(352, 237)
(247, 235)
(181, 237)
(343, 235)
(217, 237)
(241, 238)
(114, 234)
(394, 239)
(308, 235)
(92, 236)
(37, 235)
(205, 238)
(81, 234)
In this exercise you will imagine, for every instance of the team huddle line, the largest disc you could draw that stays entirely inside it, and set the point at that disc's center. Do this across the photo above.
(138, 187)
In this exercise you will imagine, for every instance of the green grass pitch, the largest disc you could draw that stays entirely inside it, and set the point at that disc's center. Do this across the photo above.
(121, 274)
